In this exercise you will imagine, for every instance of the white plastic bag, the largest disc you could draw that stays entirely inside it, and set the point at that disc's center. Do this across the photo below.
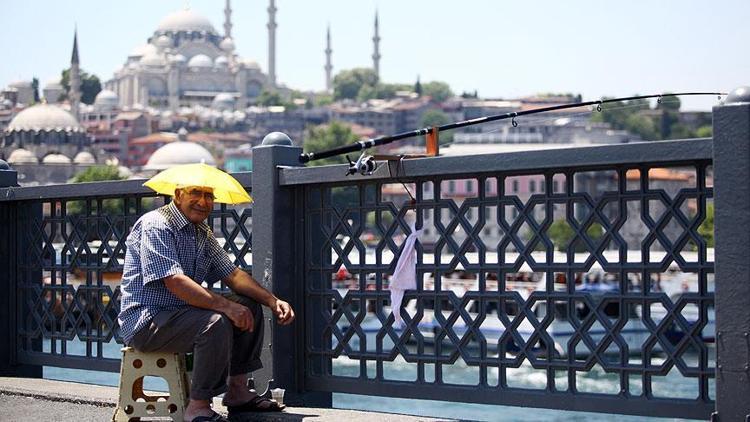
(405, 275)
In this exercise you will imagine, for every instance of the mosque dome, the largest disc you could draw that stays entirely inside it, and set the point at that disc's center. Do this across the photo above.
(177, 58)
(221, 62)
(55, 159)
(223, 101)
(53, 83)
(106, 99)
(163, 42)
(227, 44)
(152, 59)
(44, 117)
(179, 152)
(22, 156)
(251, 64)
(84, 157)
(143, 50)
(200, 61)
(124, 172)
(21, 84)
(185, 20)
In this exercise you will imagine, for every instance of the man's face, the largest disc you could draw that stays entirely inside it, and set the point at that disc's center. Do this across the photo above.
(195, 202)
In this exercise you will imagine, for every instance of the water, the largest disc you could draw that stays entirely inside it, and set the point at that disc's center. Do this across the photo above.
(524, 377)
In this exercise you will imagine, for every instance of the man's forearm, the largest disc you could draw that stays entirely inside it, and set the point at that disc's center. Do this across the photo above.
(194, 294)
(243, 283)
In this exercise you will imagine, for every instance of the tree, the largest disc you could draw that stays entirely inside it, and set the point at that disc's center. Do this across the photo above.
(561, 234)
(706, 131)
(326, 137)
(90, 86)
(418, 87)
(435, 117)
(706, 229)
(381, 91)
(269, 98)
(97, 174)
(347, 83)
(438, 91)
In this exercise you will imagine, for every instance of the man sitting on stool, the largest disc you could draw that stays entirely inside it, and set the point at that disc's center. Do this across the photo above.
(171, 251)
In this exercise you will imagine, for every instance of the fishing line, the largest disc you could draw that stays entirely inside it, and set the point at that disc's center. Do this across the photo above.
(532, 121)
(369, 143)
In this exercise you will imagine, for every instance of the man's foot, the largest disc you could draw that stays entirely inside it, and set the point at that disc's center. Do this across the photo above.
(215, 417)
(256, 404)
(200, 411)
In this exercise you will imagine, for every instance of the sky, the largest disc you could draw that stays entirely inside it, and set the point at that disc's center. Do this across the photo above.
(499, 48)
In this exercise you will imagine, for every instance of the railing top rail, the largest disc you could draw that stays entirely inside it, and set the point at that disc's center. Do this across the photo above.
(588, 157)
(111, 188)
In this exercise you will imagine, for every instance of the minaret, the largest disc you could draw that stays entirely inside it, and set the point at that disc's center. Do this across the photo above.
(329, 66)
(74, 94)
(376, 48)
(272, 43)
(228, 21)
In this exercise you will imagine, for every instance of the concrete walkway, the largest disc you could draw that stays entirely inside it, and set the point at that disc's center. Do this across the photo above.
(26, 399)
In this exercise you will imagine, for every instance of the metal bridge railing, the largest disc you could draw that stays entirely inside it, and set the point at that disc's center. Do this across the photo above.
(64, 250)
(579, 279)
(501, 297)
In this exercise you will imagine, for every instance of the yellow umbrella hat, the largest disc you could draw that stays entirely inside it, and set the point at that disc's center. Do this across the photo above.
(227, 189)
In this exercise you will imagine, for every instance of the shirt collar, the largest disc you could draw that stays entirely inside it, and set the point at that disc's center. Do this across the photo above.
(175, 217)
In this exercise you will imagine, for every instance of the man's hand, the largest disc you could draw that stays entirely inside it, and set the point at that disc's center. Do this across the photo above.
(283, 311)
(241, 316)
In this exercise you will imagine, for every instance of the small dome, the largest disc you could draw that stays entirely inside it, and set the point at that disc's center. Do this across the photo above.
(227, 44)
(21, 84)
(53, 83)
(143, 50)
(22, 156)
(163, 42)
(179, 152)
(84, 157)
(223, 101)
(221, 62)
(124, 172)
(106, 99)
(200, 61)
(153, 60)
(44, 117)
(178, 59)
(251, 64)
(55, 159)
(185, 20)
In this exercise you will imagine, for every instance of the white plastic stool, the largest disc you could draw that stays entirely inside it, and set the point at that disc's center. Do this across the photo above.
(133, 403)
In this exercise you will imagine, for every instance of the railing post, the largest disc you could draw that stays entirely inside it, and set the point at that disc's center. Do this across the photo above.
(276, 239)
(731, 141)
(10, 230)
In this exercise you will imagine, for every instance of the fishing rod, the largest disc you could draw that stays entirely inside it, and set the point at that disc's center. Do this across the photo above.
(383, 140)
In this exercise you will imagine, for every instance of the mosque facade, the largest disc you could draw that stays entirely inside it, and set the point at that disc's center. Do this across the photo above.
(187, 62)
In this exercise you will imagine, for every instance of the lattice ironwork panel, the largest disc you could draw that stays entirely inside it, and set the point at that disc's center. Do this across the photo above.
(70, 262)
(569, 281)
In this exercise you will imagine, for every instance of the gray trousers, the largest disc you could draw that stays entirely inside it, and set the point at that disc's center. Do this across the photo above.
(218, 347)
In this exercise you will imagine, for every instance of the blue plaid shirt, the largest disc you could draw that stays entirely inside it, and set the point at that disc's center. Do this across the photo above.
(164, 243)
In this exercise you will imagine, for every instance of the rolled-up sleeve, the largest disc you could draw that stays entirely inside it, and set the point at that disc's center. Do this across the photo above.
(221, 265)
(158, 255)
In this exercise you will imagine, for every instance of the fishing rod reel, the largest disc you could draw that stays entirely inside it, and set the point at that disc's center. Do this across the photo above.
(365, 165)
